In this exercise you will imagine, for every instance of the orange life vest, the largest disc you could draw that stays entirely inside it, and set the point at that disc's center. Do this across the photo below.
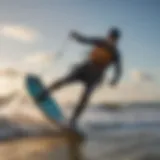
(101, 56)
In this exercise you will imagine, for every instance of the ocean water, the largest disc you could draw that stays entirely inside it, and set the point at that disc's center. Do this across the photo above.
(129, 133)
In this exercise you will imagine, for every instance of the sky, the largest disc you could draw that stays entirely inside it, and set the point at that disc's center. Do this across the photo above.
(32, 32)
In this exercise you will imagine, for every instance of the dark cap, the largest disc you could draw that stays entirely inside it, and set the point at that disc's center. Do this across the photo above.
(115, 32)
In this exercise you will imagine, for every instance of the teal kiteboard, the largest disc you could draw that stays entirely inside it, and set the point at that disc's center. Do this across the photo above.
(48, 105)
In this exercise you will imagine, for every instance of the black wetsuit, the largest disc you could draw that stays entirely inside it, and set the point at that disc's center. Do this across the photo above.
(90, 73)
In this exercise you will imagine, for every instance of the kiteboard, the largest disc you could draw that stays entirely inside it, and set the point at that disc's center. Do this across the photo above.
(47, 104)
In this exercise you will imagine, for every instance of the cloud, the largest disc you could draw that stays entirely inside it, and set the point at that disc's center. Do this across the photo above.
(10, 80)
(38, 62)
(139, 76)
(20, 33)
(39, 58)
(128, 92)
(10, 73)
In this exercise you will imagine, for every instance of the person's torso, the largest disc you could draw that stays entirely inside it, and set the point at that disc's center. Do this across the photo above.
(102, 56)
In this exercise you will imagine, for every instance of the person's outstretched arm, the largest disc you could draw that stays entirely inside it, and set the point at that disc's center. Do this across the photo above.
(118, 70)
(87, 40)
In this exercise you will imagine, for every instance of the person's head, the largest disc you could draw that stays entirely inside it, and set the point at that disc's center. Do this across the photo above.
(113, 35)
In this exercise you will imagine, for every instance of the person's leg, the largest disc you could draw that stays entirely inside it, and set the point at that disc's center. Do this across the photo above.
(82, 104)
(75, 74)
(56, 85)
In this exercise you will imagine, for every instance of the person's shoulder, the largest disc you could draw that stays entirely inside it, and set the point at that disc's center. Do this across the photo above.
(100, 39)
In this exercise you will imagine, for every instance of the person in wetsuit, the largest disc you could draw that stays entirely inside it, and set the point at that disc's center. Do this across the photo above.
(91, 71)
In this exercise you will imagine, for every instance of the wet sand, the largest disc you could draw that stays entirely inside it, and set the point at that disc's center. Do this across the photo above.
(46, 148)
